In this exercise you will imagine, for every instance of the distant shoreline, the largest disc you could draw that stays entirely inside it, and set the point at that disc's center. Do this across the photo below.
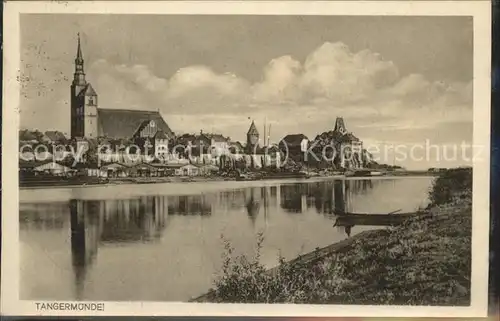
(200, 179)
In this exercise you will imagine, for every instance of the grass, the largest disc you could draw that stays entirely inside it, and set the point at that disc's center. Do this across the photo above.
(425, 261)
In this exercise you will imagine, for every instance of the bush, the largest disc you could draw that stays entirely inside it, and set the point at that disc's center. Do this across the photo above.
(448, 184)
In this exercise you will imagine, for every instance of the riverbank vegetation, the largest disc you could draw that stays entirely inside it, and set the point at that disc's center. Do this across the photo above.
(425, 261)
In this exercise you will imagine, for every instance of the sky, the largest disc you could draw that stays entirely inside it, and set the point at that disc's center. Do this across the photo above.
(398, 82)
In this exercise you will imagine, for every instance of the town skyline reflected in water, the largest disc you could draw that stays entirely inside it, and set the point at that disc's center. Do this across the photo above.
(146, 222)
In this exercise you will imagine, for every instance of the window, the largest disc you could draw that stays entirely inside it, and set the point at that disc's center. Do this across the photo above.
(92, 101)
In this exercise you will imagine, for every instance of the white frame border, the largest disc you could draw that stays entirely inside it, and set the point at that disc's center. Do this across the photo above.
(481, 12)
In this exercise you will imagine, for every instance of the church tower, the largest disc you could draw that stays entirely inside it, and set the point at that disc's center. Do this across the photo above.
(252, 139)
(83, 102)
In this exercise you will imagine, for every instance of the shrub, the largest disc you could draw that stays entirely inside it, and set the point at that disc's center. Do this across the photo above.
(448, 184)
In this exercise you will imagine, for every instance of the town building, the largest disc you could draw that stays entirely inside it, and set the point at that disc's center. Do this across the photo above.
(351, 147)
(53, 168)
(89, 121)
(161, 145)
(154, 141)
(114, 170)
(252, 139)
(295, 144)
(187, 170)
(219, 144)
(236, 148)
(54, 136)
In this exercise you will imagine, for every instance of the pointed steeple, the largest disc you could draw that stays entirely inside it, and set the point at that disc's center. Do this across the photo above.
(79, 56)
(253, 129)
(79, 75)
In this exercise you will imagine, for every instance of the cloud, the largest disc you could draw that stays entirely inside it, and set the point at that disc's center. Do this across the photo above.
(333, 72)
(191, 90)
(281, 81)
(190, 79)
(363, 87)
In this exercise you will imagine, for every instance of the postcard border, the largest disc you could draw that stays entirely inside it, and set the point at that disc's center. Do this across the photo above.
(480, 10)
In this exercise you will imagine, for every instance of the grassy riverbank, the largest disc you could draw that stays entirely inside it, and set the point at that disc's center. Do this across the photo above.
(425, 261)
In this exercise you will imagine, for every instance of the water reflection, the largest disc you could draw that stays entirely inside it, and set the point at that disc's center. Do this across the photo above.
(190, 205)
(85, 234)
(253, 198)
(144, 219)
(331, 197)
(96, 224)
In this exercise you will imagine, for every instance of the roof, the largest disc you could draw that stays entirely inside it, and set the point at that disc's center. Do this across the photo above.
(237, 144)
(167, 165)
(160, 135)
(330, 136)
(349, 137)
(272, 149)
(25, 134)
(253, 129)
(142, 125)
(88, 91)
(55, 135)
(123, 123)
(217, 137)
(294, 138)
(203, 137)
(50, 165)
(189, 166)
(185, 138)
(143, 165)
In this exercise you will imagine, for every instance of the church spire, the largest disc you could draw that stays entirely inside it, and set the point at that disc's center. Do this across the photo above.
(79, 76)
(79, 56)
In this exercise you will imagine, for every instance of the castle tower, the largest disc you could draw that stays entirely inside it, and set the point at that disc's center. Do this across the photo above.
(83, 102)
(252, 139)
(340, 126)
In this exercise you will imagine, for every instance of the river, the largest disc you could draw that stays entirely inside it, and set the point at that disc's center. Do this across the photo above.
(164, 242)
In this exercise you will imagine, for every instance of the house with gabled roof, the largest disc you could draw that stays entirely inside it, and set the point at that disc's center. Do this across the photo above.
(55, 136)
(294, 142)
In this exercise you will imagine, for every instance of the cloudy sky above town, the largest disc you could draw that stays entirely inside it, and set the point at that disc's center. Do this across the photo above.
(395, 80)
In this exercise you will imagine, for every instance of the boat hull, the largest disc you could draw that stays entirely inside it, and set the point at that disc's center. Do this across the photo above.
(375, 219)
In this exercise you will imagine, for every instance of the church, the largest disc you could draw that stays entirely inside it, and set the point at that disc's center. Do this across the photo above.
(89, 121)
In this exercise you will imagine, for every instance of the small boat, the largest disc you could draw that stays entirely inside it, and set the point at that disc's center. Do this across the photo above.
(390, 219)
